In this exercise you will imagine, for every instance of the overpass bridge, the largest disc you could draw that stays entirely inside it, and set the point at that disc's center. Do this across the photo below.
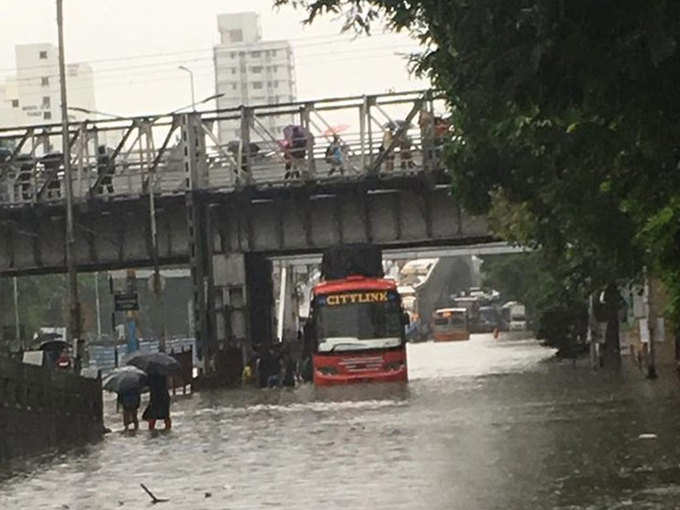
(181, 189)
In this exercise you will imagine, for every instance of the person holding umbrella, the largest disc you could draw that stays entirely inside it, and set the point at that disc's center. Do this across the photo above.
(158, 366)
(130, 401)
(159, 403)
(128, 383)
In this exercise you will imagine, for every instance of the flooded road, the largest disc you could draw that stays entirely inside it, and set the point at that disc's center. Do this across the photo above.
(483, 424)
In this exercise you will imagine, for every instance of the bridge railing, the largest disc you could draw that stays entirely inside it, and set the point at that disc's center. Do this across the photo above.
(336, 138)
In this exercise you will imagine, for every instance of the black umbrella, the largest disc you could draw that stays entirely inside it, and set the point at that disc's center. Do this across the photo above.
(155, 363)
(125, 379)
(55, 344)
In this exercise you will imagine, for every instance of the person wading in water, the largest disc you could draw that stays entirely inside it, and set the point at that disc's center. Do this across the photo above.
(159, 404)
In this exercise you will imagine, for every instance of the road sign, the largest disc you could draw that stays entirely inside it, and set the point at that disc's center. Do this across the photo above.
(125, 302)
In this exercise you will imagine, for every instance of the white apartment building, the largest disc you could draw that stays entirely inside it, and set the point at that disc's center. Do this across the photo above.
(250, 71)
(32, 96)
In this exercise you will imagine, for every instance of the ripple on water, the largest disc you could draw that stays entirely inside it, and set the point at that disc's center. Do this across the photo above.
(483, 424)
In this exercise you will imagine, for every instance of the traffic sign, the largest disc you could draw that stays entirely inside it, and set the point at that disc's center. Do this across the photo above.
(125, 302)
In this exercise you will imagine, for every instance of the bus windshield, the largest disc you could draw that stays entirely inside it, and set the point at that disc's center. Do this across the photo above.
(354, 326)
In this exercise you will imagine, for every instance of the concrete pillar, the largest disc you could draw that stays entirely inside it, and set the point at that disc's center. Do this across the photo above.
(291, 306)
(196, 178)
(243, 298)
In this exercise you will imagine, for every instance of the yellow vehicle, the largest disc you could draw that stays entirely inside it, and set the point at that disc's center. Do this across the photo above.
(449, 324)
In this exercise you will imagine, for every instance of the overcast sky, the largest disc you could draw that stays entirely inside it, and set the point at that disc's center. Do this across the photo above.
(135, 47)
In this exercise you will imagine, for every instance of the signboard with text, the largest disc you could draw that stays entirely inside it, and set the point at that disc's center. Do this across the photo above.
(125, 302)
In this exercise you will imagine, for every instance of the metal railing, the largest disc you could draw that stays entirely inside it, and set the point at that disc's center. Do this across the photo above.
(334, 139)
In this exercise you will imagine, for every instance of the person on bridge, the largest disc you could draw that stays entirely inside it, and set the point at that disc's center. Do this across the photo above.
(296, 139)
(335, 155)
(105, 170)
(159, 403)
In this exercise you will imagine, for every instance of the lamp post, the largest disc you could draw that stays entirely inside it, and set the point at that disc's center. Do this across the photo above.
(74, 304)
(191, 75)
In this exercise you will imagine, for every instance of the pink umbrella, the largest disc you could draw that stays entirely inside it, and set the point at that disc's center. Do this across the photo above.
(334, 130)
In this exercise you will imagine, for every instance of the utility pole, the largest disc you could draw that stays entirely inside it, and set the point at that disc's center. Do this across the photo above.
(74, 304)
(98, 304)
(191, 76)
(17, 322)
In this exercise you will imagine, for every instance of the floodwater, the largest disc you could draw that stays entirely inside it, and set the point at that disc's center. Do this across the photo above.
(483, 424)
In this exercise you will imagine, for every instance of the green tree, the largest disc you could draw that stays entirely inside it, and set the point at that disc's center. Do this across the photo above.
(567, 111)
(558, 313)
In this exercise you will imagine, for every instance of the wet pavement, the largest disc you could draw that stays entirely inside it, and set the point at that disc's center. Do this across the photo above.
(483, 424)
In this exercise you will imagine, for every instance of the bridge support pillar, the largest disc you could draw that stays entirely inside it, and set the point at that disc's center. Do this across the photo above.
(243, 298)
(289, 304)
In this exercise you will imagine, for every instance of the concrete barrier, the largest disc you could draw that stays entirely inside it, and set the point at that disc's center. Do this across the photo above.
(42, 408)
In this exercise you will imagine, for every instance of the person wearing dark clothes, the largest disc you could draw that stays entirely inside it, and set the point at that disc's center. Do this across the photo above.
(159, 403)
(269, 368)
(52, 164)
(105, 170)
(26, 168)
(130, 401)
(289, 370)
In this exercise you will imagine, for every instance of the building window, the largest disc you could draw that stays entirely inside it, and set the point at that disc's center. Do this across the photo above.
(42, 55)
(256, 69)
(233, 86)
(45, 81)
(275, 84)
(273, 53)
(237, 133)
(47, 115)
(15, 103)
(233, 70)
(232, 54)
(46, 102)
(257, 85)
(255, 54)
(236, 35)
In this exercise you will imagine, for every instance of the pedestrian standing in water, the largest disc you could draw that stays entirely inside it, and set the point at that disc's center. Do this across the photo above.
(289, 367)
(130, 401)
(159, 403)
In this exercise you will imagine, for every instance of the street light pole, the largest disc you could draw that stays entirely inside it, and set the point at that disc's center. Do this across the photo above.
(74, 304)
(191, 75)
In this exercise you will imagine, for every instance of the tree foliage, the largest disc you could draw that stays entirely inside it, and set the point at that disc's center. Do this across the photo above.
(567, 116)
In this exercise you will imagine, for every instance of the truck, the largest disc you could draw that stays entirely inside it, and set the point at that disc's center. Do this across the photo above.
(426, 285)
(356, 326)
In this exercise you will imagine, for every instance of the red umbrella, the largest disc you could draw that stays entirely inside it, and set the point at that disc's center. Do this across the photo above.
(334, 130)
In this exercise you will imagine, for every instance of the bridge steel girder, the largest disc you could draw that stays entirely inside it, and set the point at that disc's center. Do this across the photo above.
(398, 213)
(303, 221)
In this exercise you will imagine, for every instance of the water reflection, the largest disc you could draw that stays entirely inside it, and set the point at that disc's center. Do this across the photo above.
(482, 424)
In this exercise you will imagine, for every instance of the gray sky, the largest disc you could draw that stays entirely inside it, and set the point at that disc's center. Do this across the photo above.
(118, 38)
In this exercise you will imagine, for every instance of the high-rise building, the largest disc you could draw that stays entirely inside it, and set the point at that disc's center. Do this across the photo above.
(32, 96)
(250, 71)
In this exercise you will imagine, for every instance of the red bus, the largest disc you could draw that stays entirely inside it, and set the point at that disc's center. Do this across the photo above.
(357, 326)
